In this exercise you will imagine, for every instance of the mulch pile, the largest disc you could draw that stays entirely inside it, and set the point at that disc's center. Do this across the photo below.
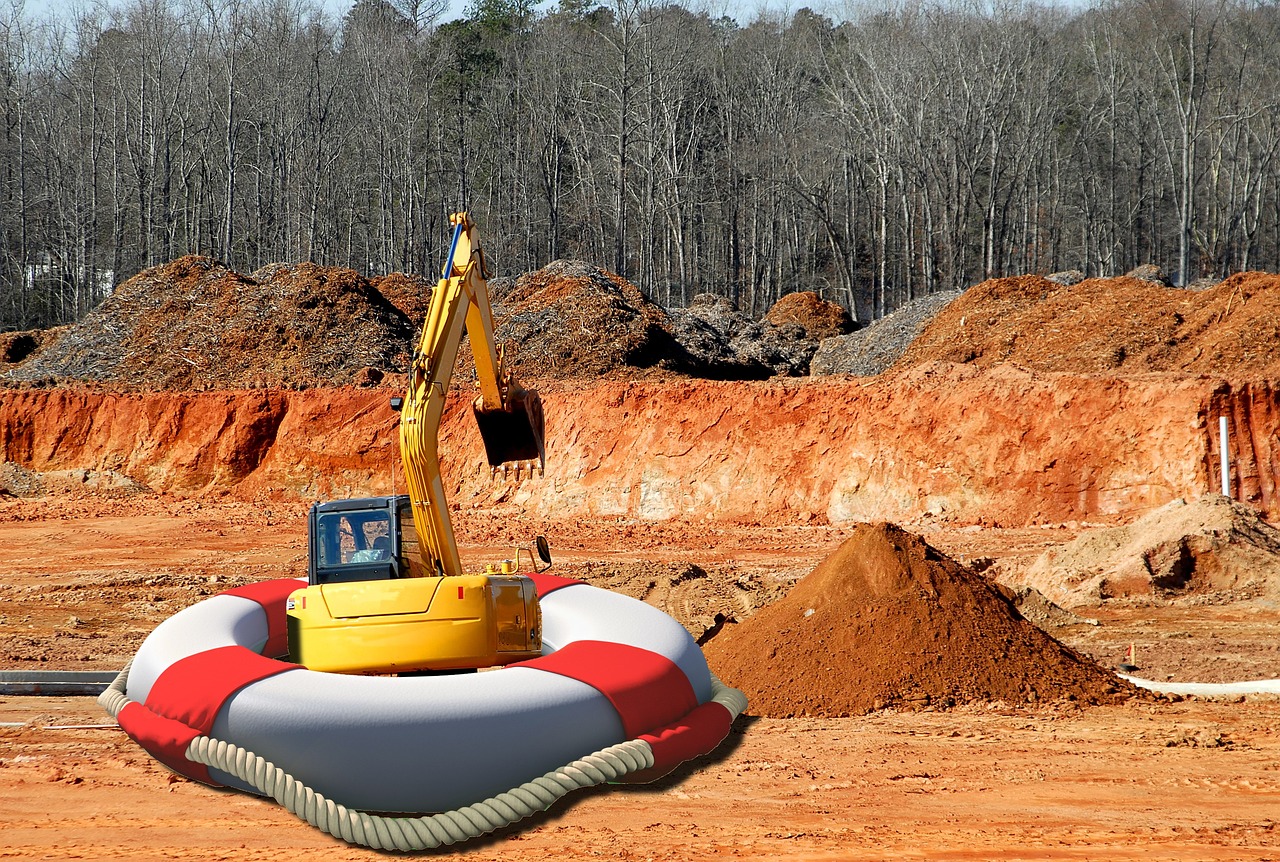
(411, 294)
(1125, 324)
(817, 317)
(887, 620)
(17, 347)
(732, 345)
(195, 324)
(872, 350)
(572, 319)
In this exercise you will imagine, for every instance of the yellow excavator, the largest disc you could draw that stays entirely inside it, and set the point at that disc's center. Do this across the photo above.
(386, 590)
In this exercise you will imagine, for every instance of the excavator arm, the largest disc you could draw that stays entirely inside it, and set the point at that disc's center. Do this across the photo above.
(509, 417)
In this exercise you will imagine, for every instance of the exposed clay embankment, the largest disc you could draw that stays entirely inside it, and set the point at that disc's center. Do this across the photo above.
(1253, 431)
(995, 446)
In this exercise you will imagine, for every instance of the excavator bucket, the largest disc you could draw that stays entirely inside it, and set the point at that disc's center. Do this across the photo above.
(514, 434)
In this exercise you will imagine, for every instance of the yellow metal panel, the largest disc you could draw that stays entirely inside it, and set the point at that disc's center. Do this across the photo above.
(371, 627)
(377, 598)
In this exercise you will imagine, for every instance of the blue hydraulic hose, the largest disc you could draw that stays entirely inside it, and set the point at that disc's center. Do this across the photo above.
(453, 248)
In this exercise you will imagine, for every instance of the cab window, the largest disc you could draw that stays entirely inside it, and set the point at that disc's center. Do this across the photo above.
(348, 538)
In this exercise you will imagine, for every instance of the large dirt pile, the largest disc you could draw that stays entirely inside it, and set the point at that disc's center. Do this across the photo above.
(887, 620)
(817, 317)
(193, 323)
(1110, 324)
(573, 319)
(870, 351)
(1213, 546)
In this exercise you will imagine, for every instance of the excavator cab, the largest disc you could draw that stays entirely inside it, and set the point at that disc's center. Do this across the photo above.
(367, 539)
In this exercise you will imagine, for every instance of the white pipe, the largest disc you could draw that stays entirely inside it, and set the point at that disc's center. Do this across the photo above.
(1208, 689)
(1226, 465)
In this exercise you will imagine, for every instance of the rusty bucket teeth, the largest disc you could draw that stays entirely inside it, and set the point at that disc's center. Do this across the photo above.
(526, 468)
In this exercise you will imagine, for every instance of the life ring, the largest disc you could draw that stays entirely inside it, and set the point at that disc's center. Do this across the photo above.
(615, 674)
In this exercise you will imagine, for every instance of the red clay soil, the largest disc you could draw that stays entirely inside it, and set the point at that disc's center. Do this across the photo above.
(819, 318)
(887, 620)
(1110, 325)
(953, 443)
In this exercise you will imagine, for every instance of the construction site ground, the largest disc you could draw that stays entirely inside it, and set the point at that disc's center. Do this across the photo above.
(166, 448)
(82, 580)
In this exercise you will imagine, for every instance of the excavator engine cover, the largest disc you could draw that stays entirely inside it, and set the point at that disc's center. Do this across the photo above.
(413, 624)
(514, 434)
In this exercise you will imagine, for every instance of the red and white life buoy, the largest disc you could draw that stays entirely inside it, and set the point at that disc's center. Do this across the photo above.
(614, 671)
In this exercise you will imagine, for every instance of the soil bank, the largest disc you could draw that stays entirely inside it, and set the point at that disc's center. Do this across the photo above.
(1000, 446)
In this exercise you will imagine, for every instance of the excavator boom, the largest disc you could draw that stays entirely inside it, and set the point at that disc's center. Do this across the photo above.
(509, 416)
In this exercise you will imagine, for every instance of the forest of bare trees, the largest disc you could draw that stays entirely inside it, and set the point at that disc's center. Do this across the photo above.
(873, 159)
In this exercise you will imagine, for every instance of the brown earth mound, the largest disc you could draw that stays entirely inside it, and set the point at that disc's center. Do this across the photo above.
(409, 293)
(819, 318)
(1110, 324)
(887, 620)
(1213, 545)
(193, 324)
(573, 319)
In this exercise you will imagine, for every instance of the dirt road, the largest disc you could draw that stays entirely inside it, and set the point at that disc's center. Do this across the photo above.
(1143, 781)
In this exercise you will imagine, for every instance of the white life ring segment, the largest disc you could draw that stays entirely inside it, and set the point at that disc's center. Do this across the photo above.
(615, 669)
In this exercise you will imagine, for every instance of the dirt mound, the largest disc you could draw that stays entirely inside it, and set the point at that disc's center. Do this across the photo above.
(1124, 324)
(870, 351)
(887, 620)
(1211, 546)
(411, 294)
(819, 319)
(192, 324)
(572, 319)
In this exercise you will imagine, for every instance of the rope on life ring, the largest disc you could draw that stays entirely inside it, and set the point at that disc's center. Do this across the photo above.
(429, 831)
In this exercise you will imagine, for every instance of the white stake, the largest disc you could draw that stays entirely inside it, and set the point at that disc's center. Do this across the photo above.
(1226, 464)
